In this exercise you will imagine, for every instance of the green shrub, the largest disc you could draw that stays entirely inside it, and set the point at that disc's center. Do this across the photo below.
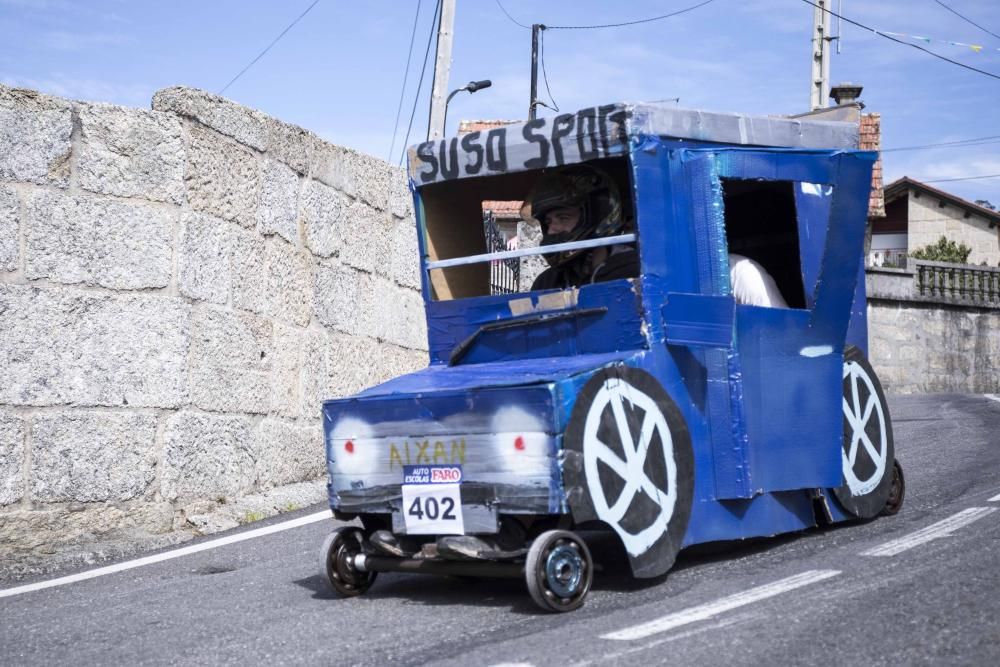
(944, 251)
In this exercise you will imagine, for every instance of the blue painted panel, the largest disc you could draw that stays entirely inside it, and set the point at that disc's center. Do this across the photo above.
(699, 319)
(727, 426)
(792, 400)
(812, 207)
(839, 270)
(517, 372)
(768, 514)
(783, 165)
(446, 411)
(705, 218)
(789, 361)
(666, 244)
(708, 222)
(449, 323)
(506, 436)
(857, 329)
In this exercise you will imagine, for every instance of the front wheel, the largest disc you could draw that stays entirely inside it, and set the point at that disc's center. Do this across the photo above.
(559, 571)
(337, 562)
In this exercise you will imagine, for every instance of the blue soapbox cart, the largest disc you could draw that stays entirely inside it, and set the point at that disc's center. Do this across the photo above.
(656, 408)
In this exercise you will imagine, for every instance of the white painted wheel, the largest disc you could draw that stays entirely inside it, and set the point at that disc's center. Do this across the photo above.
(617, 395)
(630, 465)
(867, 456)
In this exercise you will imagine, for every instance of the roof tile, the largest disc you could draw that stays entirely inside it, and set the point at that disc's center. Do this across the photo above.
(466, 126)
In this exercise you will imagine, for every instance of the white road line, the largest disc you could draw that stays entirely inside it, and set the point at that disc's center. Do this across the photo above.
(993, 397)
(706, 611)
(931, 532)
(616, 657)
(994, 499)
(168, 555)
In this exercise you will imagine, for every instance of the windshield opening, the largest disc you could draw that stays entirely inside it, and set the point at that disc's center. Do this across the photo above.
(482, 237)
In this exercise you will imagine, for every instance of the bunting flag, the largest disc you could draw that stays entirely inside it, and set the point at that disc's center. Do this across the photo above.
(976, 48)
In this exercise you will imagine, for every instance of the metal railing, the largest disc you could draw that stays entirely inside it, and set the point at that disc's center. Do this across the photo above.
(888, 257)
(505, 274)
(960, 282)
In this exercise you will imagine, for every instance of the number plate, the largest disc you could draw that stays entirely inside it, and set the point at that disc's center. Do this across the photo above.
(432, 501)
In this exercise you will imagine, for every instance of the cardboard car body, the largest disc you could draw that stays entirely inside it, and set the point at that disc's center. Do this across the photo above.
(654, 407)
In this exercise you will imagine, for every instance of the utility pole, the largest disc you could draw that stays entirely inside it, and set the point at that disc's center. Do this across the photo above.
(442, 66)
(536, 28)
(820, 88)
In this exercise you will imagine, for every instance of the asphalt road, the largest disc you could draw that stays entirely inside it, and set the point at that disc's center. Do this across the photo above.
(810, 598)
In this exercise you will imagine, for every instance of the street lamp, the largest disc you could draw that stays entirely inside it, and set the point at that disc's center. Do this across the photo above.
(472, 87)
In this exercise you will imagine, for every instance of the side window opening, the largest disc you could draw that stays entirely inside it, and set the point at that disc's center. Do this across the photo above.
(761, 225)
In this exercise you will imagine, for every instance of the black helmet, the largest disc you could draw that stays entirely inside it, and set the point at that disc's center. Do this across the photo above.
(579, 186)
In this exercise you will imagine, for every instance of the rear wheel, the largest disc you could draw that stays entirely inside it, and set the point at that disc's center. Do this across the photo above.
(868, 451)
(559, 571)
(337, 562)
(897, 492)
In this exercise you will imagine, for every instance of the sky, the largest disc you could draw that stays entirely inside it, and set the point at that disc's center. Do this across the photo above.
(340, 71)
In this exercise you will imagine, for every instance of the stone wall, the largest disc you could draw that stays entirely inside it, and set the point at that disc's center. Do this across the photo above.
(922, 344)
(180, 287)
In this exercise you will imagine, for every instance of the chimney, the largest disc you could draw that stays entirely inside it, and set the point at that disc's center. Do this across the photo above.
(846, 93)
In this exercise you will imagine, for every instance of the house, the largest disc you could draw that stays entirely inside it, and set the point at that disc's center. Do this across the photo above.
(917, 215)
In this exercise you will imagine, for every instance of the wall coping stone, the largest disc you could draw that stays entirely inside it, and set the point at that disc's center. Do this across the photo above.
(883, 284)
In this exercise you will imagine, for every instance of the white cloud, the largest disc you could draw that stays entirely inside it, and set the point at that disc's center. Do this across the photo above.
(937, 166)
(955, 163)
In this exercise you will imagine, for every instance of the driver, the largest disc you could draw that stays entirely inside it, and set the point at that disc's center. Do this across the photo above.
(574, 204)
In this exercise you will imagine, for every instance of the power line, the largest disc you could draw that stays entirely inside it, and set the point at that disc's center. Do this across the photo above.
(627, 23)
(406, 77)
(513, 20)
(954, 144)
(545, 77)
(967, 19)
(420, 83)
(276, 39)
(607, 25)
(964, 178)
(899, 41)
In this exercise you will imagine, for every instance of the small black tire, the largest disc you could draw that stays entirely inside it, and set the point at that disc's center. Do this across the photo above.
(559, 571)
(337, 562)
(898, 491)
